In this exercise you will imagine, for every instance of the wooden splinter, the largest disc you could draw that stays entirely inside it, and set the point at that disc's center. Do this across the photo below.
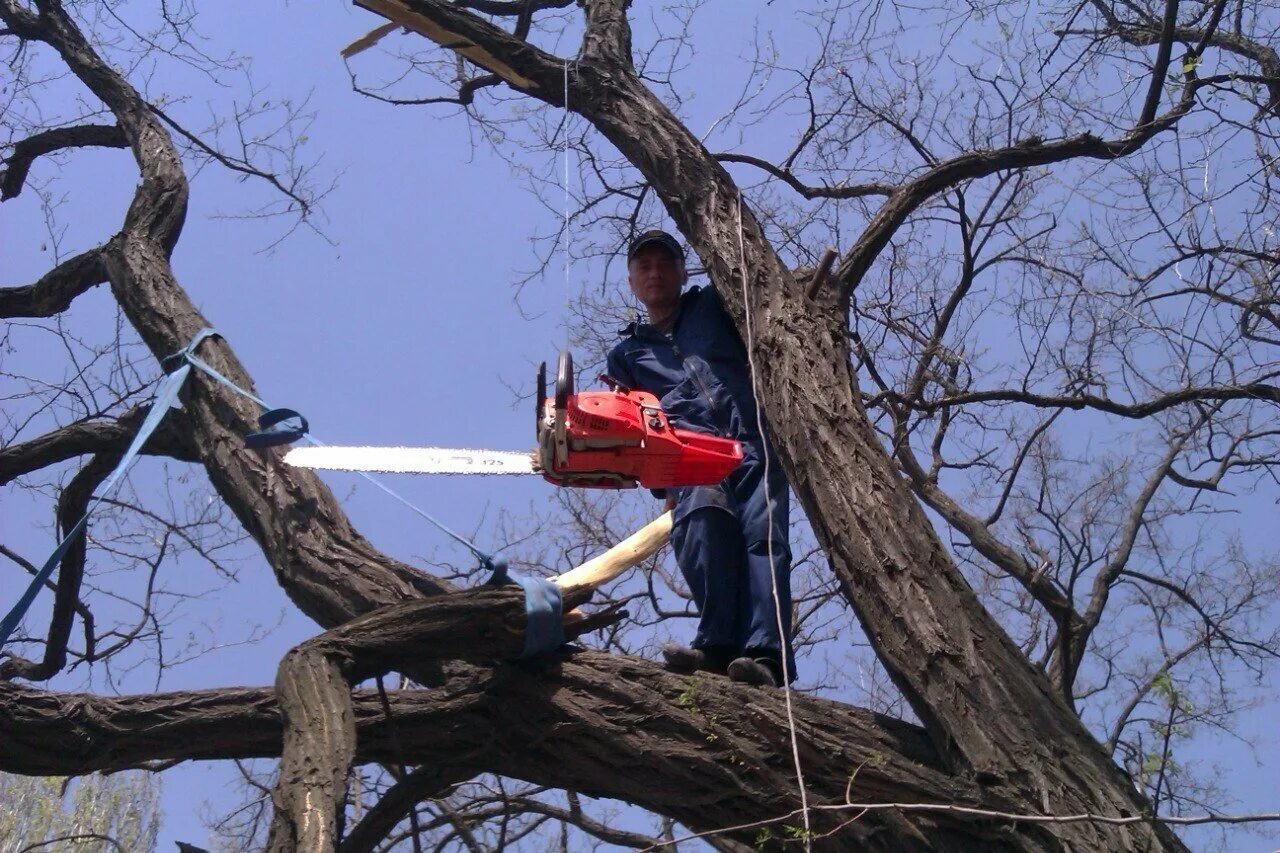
(368, 40)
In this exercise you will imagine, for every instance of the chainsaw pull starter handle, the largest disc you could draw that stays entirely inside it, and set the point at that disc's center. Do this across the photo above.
(564, 380)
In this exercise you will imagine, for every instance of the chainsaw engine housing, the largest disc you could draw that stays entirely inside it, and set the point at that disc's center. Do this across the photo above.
(621, 438)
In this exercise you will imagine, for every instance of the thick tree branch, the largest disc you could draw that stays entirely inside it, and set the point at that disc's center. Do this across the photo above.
(159, 206)
(701, 749)
(314, 689)
(513, 8)
(56, 289)
(171, 438)
(607, 37)
(1164, 51)
(25, 152)
(520, 65)
(21, 21)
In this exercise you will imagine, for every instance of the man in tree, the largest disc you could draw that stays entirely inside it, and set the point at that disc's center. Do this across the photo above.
(730, 540)
(930, 200)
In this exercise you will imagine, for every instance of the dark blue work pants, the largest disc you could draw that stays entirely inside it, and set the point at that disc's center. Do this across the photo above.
(721, 537)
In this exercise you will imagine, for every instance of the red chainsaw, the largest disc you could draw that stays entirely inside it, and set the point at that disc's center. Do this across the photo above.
(615, 439)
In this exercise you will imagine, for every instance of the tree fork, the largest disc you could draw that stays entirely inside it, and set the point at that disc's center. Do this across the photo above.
(314, 681)
(988, 710)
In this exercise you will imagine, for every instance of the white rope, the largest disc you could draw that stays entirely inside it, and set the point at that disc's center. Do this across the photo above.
(568, 256)
(773, 576)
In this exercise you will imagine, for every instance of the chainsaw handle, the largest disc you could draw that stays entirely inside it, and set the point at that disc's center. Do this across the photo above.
(564, 380)
(613, 383)
(542, 396)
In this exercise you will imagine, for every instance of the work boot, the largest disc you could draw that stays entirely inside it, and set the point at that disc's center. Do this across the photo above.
(683, 659)
(758, 671)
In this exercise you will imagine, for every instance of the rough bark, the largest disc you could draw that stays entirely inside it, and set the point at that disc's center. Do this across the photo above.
(56, 289)
(702, 749)
(314, 689)
(26, 151)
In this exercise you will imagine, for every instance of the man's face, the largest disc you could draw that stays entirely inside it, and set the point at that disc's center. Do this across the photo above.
(656, 277)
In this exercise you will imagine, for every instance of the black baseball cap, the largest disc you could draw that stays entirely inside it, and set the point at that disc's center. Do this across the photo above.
(656, 238)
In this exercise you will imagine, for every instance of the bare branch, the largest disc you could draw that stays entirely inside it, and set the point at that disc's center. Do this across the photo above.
(58, 288)
(238, 164)
(27, 150)
(1251, 391)
(170, 439)
(425, 783)
(810, 192)
(72, 505)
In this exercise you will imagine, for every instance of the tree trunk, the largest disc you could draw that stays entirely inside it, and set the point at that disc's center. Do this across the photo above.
(989, 712)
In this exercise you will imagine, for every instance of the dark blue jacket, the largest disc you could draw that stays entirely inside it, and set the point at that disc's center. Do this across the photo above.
(701, 374)
(699, 371)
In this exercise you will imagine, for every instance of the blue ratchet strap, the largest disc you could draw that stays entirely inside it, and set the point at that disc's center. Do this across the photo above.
(265, 436)
(273, 417)
(268, 437)
(165, 396)
(177, 367)
(543, 606)
(543, 609)
(251, 440)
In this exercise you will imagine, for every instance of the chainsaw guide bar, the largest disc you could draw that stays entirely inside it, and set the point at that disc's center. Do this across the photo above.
(614, 439)
(412, 460)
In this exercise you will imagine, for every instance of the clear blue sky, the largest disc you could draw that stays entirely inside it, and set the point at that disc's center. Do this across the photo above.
(404, 332)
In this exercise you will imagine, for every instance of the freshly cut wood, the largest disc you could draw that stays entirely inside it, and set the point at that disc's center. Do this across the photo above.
(399, 12)
(368, 40)
(637, 547)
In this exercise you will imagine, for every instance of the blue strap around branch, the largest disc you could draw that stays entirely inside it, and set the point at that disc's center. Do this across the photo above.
(177, 367)
(543, 608)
